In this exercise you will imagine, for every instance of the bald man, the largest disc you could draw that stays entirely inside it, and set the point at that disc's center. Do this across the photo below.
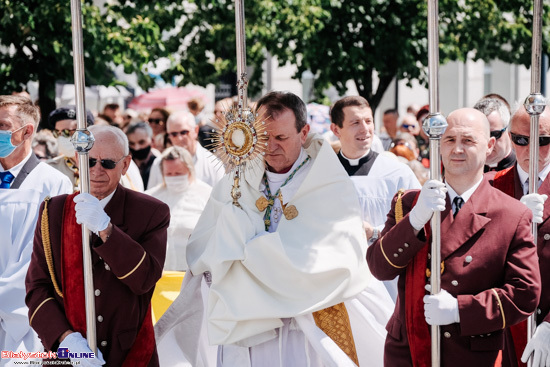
(489, 272)
(513, 181)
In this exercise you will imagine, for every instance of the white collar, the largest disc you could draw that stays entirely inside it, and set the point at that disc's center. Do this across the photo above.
(103, 202)
(354, 162)
(17, 168)
(523, 176)
(465, 195)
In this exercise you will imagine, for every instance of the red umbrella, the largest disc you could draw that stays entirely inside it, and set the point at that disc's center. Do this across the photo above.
(173, 98)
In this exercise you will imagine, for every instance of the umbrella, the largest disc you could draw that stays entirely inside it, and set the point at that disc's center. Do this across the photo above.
(173, 98)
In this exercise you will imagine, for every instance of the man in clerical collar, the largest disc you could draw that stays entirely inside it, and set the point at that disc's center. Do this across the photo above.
(377, 178)
(490, 276)
(514, 181)
(498, 114)
(274, 268)
(128, 247)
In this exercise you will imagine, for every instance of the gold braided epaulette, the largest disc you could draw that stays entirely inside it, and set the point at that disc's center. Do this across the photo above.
(45, 227)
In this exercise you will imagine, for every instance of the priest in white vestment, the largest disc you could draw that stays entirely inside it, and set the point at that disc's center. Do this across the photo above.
(275, 278)
(24, 183)
(186, 196)
(376, 177)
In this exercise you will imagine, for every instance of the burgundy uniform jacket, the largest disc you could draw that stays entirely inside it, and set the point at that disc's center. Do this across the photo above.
(543, 238)
(490, 266)
(126, 268)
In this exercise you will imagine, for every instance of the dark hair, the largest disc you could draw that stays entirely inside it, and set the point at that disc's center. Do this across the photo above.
(139, 125)
(392, 111)
(162, 111)
(337, 110)
(27, 111)
(276, 102)
(111, 106)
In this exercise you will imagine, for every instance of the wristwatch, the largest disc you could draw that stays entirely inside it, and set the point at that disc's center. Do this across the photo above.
(375, 234)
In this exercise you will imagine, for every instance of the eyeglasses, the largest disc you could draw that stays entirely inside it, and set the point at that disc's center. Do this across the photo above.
(156, 121)
(105, 163)
(523, 140)
(407, 126)
(175, 134)
(405, 143)
(65, 132)
(498, 133)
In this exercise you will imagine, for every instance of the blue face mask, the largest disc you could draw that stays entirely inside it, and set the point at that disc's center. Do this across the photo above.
(6, 147)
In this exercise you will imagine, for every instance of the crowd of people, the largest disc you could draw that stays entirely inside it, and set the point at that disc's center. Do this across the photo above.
(323, 262)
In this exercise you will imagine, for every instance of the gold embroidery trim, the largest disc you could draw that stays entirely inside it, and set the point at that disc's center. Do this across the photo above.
(501, 308)
(399, 206)
(334, 321)
(40, 305)
(388, 260)
(134, 269)
(45, 227)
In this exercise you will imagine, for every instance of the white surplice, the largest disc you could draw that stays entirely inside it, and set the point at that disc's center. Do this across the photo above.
(185, 209)
(265, 286)
(18, 215)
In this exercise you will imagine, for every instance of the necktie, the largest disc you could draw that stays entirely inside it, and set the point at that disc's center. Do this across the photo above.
(6, 178)
(457, 204)
(526, 185)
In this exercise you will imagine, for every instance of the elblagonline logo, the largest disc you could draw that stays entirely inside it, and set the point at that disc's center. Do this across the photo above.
(62, 353)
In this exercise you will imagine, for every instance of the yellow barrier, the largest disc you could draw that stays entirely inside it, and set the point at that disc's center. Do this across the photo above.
(166, 291)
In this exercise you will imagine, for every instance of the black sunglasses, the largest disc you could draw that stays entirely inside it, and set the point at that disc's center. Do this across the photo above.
(156, 121)
(175, 134)
(65, 132)
(523, 140)
(105, 163)
(497, 133)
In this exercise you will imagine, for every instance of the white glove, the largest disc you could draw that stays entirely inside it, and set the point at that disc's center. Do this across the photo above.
(75, 343)
(535, 202)
(441, 309)
(431, 199)
(539, 345)
(90, 213)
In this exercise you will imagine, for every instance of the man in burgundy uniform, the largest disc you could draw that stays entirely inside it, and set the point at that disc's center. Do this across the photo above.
(514, 182)
(128, 249)
(489, 271)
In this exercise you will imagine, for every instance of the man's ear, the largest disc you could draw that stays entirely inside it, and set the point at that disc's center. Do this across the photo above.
(335, 130)
(126, 164)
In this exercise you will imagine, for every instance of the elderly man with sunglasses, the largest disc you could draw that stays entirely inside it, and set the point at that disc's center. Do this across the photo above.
(183, 132)
(128, 248)
(514, 182)
(498, 114)
(24, 183)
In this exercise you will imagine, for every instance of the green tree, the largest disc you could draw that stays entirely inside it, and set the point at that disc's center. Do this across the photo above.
(368, 41)
(36, 42)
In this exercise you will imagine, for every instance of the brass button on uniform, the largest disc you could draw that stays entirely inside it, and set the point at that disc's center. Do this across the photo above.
(100, 318)
(446, 334)
(107, 267)
(97, 292)
(454, 282)
(547, 237)
(400, 249)
(395, 255)
(406, 244)
(469, 259)
(104, 343)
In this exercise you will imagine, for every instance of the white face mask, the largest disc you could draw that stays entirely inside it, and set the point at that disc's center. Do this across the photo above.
(65, 146)
(177, 183)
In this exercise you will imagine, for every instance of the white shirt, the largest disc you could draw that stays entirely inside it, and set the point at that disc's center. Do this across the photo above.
(465, 195)
(17, 168)
(524, 176)
(355, 162)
